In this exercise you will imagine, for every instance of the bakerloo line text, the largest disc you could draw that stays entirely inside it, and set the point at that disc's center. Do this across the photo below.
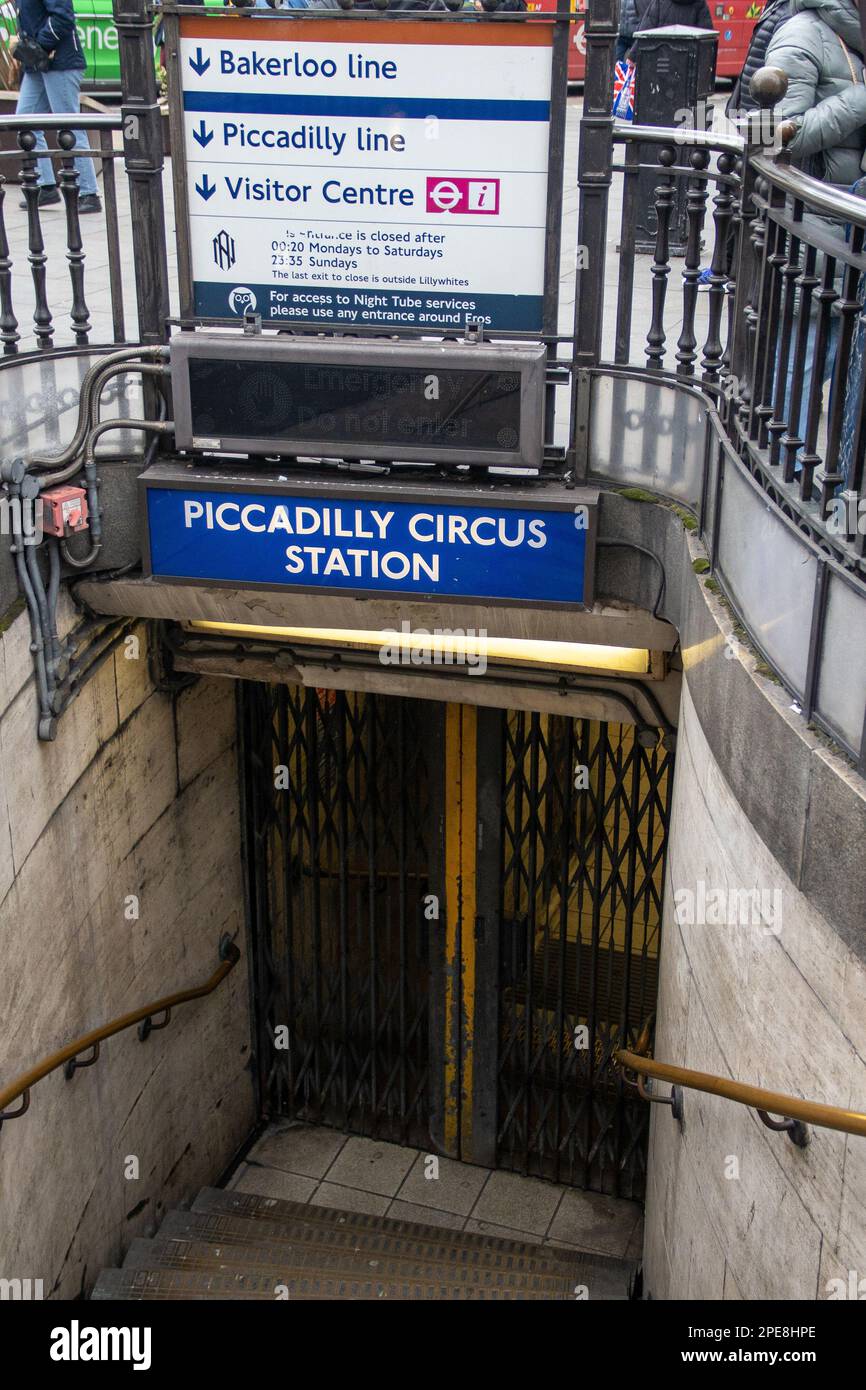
(364, 562)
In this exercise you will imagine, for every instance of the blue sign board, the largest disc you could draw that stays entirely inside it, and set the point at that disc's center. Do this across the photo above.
(379, 544)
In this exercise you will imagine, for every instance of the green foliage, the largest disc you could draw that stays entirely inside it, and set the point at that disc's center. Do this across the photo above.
(637, 494)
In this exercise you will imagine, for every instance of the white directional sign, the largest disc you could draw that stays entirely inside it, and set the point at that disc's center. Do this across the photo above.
(366, 173)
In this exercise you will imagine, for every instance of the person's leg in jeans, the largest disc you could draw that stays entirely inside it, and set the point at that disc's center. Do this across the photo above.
(63, 90)
(33, 101)
(829, 363)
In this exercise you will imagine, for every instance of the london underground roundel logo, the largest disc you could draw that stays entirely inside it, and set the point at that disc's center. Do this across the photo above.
(444, 193)
(458, 194)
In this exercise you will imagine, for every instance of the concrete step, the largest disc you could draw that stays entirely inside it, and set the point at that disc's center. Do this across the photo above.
(238, 1245)
(150, 1285)
(293, 1217)
(282, 1263)
(378, 1238)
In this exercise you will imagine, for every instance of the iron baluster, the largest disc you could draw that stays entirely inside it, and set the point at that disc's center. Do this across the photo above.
(730, 371)
(792, 441)
(75, 246)
(755, 327)
(112, 234)
(9, 335)
(661, 267)
(768, 339)
(696, 201)
(723, 202)
(790, 273)
(35, 243)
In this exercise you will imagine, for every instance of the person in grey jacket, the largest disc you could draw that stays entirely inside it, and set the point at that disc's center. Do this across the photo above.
(822, 123)
(774, 14)
(822, 117)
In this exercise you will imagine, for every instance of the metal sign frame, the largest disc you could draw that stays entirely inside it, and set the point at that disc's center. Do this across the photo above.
(328, 491)
(523, 360)
(560, 20)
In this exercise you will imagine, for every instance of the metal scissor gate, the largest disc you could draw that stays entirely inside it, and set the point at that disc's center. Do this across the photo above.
(456, 918)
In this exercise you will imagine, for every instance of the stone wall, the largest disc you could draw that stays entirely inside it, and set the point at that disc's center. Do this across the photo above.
(733, 1209)
(136, 798)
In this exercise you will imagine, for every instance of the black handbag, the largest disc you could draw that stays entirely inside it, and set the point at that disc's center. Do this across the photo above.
(31, 55)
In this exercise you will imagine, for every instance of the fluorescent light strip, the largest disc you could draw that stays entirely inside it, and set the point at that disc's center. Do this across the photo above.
(586, 655)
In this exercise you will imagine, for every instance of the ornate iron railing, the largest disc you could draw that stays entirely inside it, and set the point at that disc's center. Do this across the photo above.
(705, 402)
(99, 244)
(774, 267)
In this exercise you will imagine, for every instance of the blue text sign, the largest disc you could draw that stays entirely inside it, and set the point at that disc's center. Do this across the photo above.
(517, 553)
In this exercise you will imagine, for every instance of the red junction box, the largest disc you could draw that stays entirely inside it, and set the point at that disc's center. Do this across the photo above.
(64, 511)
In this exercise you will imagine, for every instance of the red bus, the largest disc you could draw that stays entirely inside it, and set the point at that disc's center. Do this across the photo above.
(734, 21)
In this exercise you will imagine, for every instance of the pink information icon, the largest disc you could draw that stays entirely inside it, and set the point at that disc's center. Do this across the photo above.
(454, 194)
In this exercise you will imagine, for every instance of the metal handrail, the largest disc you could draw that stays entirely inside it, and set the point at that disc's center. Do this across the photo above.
(626, 133)
(829, 199)
(64, 121)
(755, 1097)
(776, 168)
(68, 1056)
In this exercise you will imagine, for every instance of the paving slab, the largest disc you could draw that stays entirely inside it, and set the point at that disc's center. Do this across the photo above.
(456, 1188)
(306, 1149)
(426, 1216)
(273, 1182)
(522, 1204)
(595, 1222)
(331, 1194)
(371, 1166)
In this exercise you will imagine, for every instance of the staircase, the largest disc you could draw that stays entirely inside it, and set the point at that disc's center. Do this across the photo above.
(233, 1245)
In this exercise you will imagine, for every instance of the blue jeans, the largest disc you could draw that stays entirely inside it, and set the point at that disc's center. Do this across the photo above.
(56, 91)
(808, 367)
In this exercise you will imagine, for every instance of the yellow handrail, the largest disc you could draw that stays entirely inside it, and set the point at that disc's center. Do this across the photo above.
(230, 956)
(810, 1112)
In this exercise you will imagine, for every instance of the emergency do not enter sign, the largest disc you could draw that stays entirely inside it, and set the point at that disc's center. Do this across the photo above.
(368, 175)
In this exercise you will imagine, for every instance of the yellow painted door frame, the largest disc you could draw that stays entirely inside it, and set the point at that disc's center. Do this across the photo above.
(461, 838)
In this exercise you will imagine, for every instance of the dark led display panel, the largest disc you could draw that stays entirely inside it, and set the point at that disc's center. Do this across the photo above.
(294, 402)
(360, 402)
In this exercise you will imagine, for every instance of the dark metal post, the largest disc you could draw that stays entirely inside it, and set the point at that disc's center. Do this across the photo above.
(555, 168)
(676, 73)
(143, 157)
(593, 179)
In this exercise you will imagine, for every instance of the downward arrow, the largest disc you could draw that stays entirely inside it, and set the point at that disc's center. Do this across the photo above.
(203, 136)
(199, 63)
(205, 189)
